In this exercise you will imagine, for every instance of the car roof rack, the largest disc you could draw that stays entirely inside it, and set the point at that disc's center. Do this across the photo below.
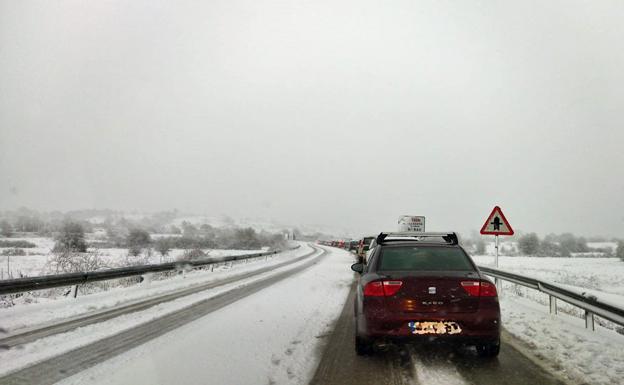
(447, 237)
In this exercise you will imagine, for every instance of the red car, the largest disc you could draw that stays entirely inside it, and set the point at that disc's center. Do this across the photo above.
(424, 286)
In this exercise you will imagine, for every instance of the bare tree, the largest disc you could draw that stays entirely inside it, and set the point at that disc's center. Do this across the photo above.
(619, 251)
(163, 246)
(71, 238)
(74, 262)
(6, 229)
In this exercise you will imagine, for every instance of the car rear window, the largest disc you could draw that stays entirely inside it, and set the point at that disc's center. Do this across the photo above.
(424, 258)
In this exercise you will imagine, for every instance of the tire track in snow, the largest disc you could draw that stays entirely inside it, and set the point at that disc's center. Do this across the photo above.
(62, 366)
(63, 326)
(436, 371)
(426, 364)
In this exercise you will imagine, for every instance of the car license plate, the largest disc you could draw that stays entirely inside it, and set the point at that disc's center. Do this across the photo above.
(441, 327)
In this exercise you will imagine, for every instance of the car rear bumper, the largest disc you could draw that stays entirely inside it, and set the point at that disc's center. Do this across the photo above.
(474, 326)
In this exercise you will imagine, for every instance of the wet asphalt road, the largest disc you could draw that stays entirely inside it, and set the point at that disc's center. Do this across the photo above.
(430, 364)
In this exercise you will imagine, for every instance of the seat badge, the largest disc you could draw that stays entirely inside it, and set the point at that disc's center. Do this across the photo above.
(432, 290)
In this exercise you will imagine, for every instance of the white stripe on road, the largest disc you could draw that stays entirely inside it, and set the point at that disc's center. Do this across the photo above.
(439, 372)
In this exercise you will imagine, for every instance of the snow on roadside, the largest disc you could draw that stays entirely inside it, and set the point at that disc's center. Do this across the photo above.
(47, 311)
(562, 343)
(48, 347)
(599, 274)
(606, 298)
(269, 337)
(34, 262)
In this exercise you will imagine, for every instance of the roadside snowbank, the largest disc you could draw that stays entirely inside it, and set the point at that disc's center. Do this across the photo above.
(562, 343)
(598, 274)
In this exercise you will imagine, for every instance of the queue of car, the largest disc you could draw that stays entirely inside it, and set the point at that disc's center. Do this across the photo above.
(415, 287)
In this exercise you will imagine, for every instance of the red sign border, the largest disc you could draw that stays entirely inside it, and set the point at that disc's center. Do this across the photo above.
(487, 220)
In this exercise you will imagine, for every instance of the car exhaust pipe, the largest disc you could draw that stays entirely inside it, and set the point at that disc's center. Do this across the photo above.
(381, 346)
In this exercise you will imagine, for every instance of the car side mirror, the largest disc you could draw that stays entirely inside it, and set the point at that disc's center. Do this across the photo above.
(358, 267)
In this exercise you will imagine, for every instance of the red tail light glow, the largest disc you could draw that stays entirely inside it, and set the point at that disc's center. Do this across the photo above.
(488, 290)
(374, 289)
(391, 287)
(471, 287)
(479, 288)
(382, 288)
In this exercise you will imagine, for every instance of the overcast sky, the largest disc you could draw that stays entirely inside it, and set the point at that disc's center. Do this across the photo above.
(339, 113)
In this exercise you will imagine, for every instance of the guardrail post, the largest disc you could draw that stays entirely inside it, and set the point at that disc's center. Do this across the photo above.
(589, 320)
(553, 304)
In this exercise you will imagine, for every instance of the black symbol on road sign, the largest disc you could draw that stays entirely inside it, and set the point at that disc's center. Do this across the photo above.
(497, 223)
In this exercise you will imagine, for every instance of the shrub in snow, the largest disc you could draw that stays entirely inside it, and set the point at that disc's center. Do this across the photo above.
(193, 254)
(529, 244)
(71, 238)
(74, 262)
(163, 246)
(134, 250)
(619, 251)
(138, 238)
(6, 229)
(137, 259)
(551, 249)
(15, 252)
(22, 244)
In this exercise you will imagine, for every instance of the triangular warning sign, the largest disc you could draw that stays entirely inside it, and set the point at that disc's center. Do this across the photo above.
(497, 224)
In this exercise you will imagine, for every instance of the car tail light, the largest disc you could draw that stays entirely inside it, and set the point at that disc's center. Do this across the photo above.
(488, 290)
(382, 288)
(471, 287)
(479, 288)
(374, 289)
(391, 287)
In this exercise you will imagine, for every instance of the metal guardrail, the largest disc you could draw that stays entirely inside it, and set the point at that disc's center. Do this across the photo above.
(589, 303)
(19, 285)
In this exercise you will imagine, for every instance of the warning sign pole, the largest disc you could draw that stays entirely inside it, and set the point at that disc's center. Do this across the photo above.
(496, 224)
(496, 247)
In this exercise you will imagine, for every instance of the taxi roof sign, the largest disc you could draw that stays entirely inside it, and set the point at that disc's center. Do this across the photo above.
(412, 223)
(497, 224)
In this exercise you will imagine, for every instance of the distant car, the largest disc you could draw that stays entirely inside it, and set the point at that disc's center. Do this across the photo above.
(363, 247)
(424, 286)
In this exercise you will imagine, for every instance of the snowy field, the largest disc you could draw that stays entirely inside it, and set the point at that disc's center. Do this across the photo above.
(597, 274)
(36, 261)
(561, 342)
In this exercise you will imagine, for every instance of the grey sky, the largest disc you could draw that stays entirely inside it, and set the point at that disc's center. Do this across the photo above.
(345, 113)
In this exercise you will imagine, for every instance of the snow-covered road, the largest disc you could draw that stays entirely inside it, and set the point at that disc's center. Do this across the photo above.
(291, 325)
(272, 336)
(423, 364)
